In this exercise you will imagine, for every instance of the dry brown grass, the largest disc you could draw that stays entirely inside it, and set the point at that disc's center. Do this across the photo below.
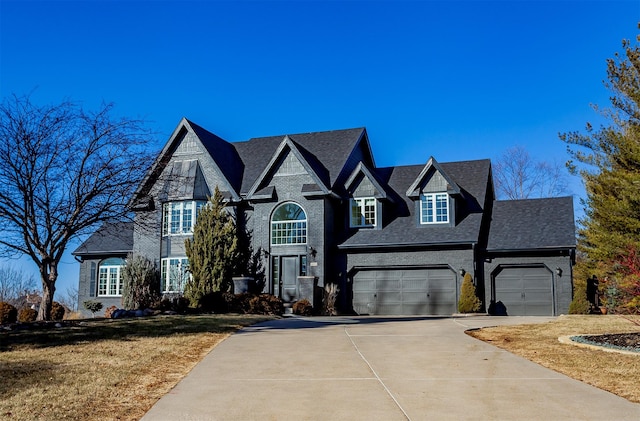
(614, 372)
(105, 369)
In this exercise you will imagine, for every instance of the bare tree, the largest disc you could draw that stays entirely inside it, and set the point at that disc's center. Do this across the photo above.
(65, 171)
(15, 285)
(518, 176)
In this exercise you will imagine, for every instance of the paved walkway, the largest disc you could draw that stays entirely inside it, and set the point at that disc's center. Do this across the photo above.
(379, 369)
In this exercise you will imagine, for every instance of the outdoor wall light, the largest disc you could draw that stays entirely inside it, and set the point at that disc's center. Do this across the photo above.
(312, 251)
(559, 271)
(461, 271)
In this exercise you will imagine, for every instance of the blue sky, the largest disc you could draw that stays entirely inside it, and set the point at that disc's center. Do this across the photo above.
(455, 80)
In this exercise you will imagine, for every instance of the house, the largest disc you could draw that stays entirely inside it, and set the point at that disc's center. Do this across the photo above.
(397, 240)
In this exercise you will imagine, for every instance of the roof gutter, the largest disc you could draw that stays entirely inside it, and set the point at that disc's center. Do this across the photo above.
(469, 244)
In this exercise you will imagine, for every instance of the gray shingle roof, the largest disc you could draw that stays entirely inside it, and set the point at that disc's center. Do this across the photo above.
(223, 153)
(532, 224)
(110, 238)
(326, 152)
(403, 229)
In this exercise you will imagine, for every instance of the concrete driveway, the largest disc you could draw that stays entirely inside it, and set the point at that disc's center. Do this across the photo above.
(374, 368)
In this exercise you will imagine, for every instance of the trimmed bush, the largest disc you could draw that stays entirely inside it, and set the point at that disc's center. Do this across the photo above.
(303, 307)
(27, 315)
(257, 304)
(8, 313)
(469, 301)
(57, 311)
(109, 311)
(92, 306)
(579, 304)
(175, 303)
(220, 302)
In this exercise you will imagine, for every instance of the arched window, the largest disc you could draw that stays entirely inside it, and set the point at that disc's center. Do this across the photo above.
(110, 277)
(289, 225)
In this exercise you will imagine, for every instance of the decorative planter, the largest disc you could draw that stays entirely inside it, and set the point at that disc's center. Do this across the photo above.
(241, 284)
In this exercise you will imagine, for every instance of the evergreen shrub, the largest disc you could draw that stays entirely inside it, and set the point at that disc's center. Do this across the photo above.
(469, 301)
(141, 283)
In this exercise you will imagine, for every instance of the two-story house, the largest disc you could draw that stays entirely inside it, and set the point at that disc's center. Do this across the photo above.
(396, 240)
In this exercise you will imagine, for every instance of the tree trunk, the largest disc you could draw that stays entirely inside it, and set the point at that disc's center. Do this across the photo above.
(48, 289)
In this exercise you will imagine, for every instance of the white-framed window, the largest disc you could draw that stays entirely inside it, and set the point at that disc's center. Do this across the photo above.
(110, 281)
(363, 212)
(174, 274)
(289, 225)
(178, 218)
(434, 208)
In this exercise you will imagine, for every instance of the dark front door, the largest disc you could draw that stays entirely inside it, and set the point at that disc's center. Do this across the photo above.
(289, 278)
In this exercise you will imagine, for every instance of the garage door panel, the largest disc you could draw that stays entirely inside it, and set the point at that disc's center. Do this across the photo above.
(414, 285)
(405, 292)
(414, 297)
(525, 291)
(388, 284)
(416, 308)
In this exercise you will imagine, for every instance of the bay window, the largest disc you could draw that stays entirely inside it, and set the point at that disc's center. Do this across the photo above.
(178, 218)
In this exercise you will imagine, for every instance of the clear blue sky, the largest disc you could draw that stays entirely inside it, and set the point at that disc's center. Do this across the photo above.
(457, 79)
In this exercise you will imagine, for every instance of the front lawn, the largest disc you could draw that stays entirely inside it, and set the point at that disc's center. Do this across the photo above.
(614, 372)
(104, 369)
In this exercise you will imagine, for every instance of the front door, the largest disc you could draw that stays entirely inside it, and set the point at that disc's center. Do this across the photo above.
(289, 278)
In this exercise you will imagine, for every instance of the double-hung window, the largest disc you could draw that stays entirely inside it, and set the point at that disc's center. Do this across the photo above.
(434, 208)
(180, 217)
(110, 277)
(174, 273)
(363, 212)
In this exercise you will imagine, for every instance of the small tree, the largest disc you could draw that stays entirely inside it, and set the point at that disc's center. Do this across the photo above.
(92, 306)
(469, 301)
(213, 252)
(141, 283)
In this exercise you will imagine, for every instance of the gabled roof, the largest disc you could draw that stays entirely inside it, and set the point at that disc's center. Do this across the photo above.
(532, 224)
(110, 238)
(414, 188)
(471, 177)
(288, 146)
(325, 152)
(361, 169)
(223, 154)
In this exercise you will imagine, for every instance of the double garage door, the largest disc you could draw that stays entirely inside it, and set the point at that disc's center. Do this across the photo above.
(525, 291)
(404, 291)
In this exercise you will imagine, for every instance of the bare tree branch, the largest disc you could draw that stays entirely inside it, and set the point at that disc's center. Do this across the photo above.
(518, 176)
(66, 172)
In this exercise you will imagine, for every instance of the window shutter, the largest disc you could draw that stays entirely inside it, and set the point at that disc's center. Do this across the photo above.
(92, 284)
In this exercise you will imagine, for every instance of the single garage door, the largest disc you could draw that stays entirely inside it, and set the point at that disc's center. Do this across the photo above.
(404, 291)
(525, 291)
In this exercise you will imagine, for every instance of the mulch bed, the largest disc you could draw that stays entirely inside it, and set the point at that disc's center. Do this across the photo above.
(626, 341)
